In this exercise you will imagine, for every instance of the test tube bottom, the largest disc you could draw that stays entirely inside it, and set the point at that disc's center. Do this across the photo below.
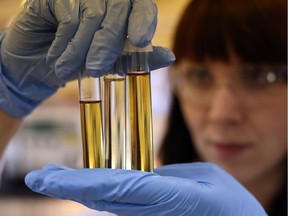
(140, 120)
(114, 121)
(92, 134)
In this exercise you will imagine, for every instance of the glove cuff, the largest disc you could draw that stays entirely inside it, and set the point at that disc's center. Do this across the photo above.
(11, 101)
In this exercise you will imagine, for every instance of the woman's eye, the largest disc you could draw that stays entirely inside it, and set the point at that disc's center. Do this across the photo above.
(263, 76)
(257, 76)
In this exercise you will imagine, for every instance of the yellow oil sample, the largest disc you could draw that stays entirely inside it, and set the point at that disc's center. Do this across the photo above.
(140, 121)
(92, 134)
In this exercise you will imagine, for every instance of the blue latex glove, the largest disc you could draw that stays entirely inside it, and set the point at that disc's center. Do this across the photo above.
(207, 190)
(50, 41)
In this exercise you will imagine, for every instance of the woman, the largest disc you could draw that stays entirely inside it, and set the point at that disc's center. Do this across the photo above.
(230, 100)
(229, 108)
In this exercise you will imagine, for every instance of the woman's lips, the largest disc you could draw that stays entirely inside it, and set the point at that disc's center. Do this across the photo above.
(229, 149)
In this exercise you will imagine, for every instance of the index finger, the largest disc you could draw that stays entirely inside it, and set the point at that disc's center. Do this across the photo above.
(142, 22)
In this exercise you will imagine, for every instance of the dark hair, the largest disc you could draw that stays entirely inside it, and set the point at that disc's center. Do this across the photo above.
(177, 146)
(256, 30)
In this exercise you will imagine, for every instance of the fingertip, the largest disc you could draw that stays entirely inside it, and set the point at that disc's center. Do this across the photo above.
(141, 36)
(142, 22)
(161, 57)
(166, 52)
(33, 181)
(139, 40)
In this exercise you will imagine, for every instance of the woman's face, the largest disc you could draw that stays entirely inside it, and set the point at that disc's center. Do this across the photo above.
(237, 114)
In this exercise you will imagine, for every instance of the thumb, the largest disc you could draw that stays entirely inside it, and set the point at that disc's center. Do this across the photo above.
(161, 57)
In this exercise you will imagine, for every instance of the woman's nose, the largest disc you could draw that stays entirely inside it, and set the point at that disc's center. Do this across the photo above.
(225, 106)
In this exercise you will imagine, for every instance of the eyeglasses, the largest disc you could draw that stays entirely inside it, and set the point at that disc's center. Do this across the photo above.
(254, 83)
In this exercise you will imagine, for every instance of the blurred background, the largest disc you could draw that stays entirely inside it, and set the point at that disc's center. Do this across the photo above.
(51, 134)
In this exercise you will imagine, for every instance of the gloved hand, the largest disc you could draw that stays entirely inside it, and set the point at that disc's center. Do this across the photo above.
(50, 41)
(208, 191)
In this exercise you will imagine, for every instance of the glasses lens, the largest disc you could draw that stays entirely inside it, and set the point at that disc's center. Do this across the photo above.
(252, 84)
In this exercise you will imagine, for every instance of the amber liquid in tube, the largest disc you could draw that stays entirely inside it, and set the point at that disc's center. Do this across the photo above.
(140, 120)
(92, 134)
(114, 121)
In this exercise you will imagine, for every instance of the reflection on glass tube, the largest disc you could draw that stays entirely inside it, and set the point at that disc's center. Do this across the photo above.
(114, 121)
(92, 139)
(91, 122)
(140, 121)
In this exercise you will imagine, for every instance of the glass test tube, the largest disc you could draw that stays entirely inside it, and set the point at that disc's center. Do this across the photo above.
(114, 117)
(91, 122)
(139, 110)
